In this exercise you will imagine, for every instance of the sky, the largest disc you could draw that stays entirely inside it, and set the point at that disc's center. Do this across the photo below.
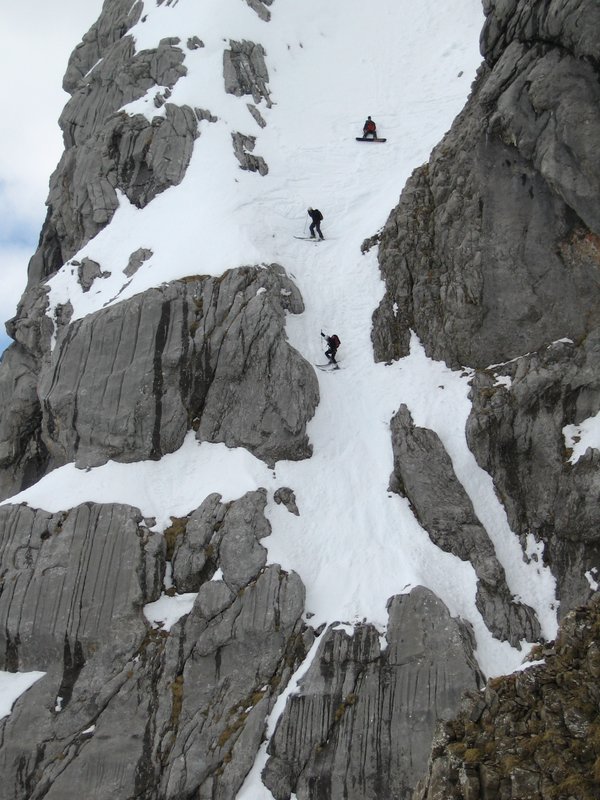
(36, 39)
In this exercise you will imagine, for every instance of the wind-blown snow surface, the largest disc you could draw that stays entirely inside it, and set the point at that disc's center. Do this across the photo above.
(409, 65)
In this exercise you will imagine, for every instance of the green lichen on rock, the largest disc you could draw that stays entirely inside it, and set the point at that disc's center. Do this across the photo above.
(532, 735)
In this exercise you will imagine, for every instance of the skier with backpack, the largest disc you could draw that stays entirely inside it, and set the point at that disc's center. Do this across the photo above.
(333, 343)
(316, 217)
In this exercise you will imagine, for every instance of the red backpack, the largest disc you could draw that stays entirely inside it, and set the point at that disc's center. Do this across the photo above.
(335, 340)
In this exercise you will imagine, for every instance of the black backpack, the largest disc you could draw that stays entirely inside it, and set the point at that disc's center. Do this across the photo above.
(335, 340)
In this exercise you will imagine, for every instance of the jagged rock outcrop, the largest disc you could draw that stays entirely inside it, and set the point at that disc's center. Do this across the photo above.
(515, 430)
(143, 712)
(189, 354)
(493, 253)
(423, 470)
(260, 6)
(107, 150)
(245, 71)
(242, 147)
(533, 735)
(361, 723)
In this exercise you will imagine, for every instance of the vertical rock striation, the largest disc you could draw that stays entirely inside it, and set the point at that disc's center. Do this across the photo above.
(125, 709)
(361, 724)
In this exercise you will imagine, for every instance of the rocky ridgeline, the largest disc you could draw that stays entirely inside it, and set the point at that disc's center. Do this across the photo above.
(534, 735)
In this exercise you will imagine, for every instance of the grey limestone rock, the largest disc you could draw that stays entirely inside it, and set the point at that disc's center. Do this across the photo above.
(220, 534)
(228, 678)
(258, 117)
(136, 260)
(188, 354)
(422, 471)
(71, 581)
(23, 455)
(115, 19)
(571, 26)
(245, 71)
(241, 555)
(197, 544)
(204, 113)
(490, 253)
(260, 6)
(106, 150)
(286, 496)
(194, 43)
(139, 157)
(361, 723)
(242, 147)
(516, 433)
(126, 710)
(87, 272)
(31, 327)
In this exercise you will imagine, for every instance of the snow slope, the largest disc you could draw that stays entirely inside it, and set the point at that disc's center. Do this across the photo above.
(409, 65)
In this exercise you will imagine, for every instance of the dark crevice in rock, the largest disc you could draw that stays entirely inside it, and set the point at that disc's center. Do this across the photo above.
(157, 387)
(73, 663)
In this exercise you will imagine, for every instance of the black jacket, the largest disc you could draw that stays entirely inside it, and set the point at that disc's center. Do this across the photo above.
(315, 215)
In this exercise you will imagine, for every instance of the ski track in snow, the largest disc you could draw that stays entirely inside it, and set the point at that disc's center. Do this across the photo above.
(409, 66)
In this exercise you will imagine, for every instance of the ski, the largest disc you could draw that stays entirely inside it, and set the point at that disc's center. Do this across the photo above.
(327, 366)
(370, 139)
(309, 239)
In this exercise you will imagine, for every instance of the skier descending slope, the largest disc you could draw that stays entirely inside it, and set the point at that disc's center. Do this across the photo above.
(333, 343)
(317, 218)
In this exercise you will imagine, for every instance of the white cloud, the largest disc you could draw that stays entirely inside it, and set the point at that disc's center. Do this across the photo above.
(37, 38)
(13, 263)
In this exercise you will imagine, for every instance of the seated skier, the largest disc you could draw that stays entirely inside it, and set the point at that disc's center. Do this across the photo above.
(369, 128)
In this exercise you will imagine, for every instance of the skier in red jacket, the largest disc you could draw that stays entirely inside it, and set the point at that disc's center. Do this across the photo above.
(369, 128)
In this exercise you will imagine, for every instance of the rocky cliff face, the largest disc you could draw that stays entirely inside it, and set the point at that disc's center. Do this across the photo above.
(492, 258)
(533, 734)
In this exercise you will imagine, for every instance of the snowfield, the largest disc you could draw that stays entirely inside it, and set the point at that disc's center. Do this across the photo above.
(410, 66)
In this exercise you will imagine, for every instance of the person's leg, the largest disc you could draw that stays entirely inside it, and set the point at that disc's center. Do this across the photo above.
(312, 230)
(319, 230)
